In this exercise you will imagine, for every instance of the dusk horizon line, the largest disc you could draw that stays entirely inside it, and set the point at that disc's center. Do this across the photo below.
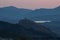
(30, 8)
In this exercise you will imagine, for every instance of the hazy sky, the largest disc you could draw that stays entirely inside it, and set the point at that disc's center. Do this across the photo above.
(30, 4)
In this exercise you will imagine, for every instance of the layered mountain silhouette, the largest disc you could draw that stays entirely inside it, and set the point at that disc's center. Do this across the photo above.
(26, 30)
(13, 14)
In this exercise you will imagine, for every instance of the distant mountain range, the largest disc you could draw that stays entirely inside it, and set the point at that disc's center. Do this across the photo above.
(13, 14)
(26, 29)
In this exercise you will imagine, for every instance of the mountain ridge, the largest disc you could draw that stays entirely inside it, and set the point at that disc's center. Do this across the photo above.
(13, 13)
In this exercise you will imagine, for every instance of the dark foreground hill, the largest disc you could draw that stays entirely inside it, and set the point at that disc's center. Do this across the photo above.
(26, 30)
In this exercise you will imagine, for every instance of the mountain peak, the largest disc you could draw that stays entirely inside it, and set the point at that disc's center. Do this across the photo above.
(9, 7)
(25, 21)
(58, 7)
(31, 24)
(12, 6)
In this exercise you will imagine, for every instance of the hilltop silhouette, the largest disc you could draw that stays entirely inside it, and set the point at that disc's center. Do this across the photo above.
(26, 30)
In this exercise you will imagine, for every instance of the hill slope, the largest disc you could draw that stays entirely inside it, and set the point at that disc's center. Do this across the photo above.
(30, 30)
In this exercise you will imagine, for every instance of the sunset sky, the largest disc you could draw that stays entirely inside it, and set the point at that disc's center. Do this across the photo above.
(30, 4)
